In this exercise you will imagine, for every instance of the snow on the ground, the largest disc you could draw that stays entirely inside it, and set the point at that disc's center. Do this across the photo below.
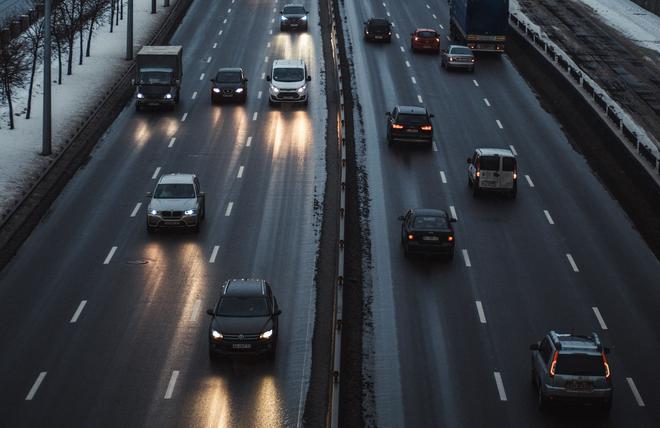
(632, 20)
(20, 159)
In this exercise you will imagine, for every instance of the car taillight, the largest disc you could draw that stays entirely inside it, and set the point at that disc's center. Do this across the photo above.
(515, 175)
(427, 128)
(607, 367)
(396, 126)
(416, 38)
(437, 39)
(411, 237)
(553, 364)
(450, 238)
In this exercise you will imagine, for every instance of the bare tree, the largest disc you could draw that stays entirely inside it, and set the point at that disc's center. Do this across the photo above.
(70, 24)
(59, 34)
(34, 40)
(96, 12)
(112, 15)
(83, 21)
(13, 69)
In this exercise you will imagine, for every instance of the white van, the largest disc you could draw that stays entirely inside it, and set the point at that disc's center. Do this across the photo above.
(288, 82)
(493, 170)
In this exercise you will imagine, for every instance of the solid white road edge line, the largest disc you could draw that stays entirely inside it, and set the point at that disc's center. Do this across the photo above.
(466, 258)
(572, 262)
(214, 254)
(35, 386)
(136, 209)
(109, 256)
(635, 392)
(500, 386)
(170, 386)
(599, 317)
(229, 207)
(480, 311)
(76, 314)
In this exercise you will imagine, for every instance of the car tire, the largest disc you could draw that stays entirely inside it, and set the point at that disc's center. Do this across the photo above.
(469, 181)
(195, 228)
(390, 141)
(412, 47)
(272, 103)
(388, 40)
(270, 356)
(450, 256)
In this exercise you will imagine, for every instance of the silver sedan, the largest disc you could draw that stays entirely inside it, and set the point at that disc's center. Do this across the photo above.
(457, 56)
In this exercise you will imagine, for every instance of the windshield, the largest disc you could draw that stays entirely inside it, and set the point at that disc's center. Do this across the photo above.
(461, 51)
(508, 164)
(430, 222)
(174, 191)
(228, 77)
(379, 25)
(412, 119)
(489, 163)
(294, 10)
(155, 77)
(243, 307)
(427, 34)
(580, 365)
(288, 74)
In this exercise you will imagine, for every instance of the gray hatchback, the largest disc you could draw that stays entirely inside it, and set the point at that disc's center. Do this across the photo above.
(177, 202)
(568, 367)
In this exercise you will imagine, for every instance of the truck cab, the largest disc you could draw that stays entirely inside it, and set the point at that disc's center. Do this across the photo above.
(158, 76)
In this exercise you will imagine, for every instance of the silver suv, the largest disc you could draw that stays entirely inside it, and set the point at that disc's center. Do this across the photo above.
(177, 201)
(568, 367)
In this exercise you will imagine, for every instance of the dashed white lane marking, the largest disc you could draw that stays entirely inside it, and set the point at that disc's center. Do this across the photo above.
(194, 95)
(480, 311)
(428, 7)
(392, 24)
(487, 102)
(156, 172)
(548, 217)
(78, 311)
(220, 33)
(224, 21)
(441, 27)
(201, 76)
(513, 150)
(388, 14)
(272, 21)
(407, 64)
(268, 44)
(435, 147)
(270, 31)
(208, 60)
(413, 80)
(466, 258)
(499, 124)
(449, 38)
(443, 177)
(214, 254)
(266, 58)
(434, 16)
(475, 83)
(215, 45)
(195, 310)
(35, 386)
(183, 118)
(171, 142)
(274, 9)
(170, 386)
(599, 317)
(263, 76)
(136, 209)
(529, 181)
(635, 392)
(452, 209)
(255, 115)
(229, 10)
(572, 262)
(109, 256)
(240, 172)
(402, 49)
(419, 98)
(259, 95)
(229, 207)
(397, 35)
(248, 142)
(500, 386)
(384, 5)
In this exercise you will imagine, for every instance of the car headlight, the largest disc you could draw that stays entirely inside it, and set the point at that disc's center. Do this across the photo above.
(302, 89)
(168, 96)
(304, 18)
(216, 334)
(140, 96)
(239, 90)
(190, 212)
(284, 18)
(266, 334)
(274, 90)
(216, 90)
(153, 212)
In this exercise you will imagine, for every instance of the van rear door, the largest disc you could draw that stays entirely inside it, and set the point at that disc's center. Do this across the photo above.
(506, 173)
(489, 167)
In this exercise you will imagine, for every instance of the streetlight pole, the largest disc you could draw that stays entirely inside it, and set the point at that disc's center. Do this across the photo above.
(46, 148)
(129, 32)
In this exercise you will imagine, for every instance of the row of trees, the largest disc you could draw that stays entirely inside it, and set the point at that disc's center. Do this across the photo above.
(71, 20)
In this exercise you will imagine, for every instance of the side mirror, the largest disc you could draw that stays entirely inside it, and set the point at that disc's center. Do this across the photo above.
(268, 78)
(148, 194)
(431, 115)
(534, 347)
(277, 312)
(201, 194)
(401, 218)
(133, 82)
(281, 12)
(309, 78)
(306, 12)
(469, 160)
(210, 312)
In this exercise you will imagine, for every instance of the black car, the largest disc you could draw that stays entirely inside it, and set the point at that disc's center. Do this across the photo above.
(229, 84)
(378, 29)
(427, 231)
(244, 321)
(294, 17)
(409, 124)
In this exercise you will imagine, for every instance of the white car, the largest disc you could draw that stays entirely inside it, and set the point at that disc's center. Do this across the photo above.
(493, 170)
(176, 202)
(288, 82)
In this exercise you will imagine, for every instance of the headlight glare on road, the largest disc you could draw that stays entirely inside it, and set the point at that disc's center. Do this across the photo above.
(266, 334)
(168, 96)
(239, 90)
(216, 334)
(189, 212)
(140, 96)
(302, 89)
(216, 90)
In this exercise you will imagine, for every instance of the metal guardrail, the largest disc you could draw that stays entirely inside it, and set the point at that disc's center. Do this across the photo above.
(650, 5)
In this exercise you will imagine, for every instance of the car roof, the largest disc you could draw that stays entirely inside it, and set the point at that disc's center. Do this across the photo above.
(458, 46)
(378, 21)
(245, 287)
(496, 152)
(288, 63)
(571, 343)
(425, 29)
(412, 110)
(429, 212)
(231, 69)
(293, 4)
(177, 178)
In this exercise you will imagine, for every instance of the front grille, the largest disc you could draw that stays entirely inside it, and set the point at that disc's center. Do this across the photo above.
(171, 214)
(286, 95)
(227, 91)
(232, 336)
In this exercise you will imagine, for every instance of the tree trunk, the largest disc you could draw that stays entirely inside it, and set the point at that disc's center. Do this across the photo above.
(89, 36)
(82, 46)
(35, 55)
(11, 107)
(59, 62)
(116, 14)
(112, 14)
(121, 9)
(69, 67)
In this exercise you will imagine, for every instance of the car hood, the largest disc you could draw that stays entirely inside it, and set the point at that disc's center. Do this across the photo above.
(238, 325)
(294, 15)
(227, 85)
(151, 90)
(172, 204)
(288, 85)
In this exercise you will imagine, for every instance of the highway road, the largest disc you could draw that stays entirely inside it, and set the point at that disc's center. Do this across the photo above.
(447, 343)
(105, 325)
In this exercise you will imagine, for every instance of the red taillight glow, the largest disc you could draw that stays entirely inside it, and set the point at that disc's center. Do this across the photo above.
(427, 128)
(411, 237)
(416, 38)
(450, 238)
(553, 364)
(395, 126)
(437, 39)
(607, 367)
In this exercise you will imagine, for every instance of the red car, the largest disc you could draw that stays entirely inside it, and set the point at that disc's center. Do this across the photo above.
(425, 39)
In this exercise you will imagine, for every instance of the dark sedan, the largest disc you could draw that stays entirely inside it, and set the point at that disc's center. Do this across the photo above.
(244, 321)
(229, 84)
(427, 231)
(378, 30)
(293, 17)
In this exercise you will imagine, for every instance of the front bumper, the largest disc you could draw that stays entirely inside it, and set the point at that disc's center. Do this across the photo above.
(155, 102)
(288, 97)
(183, 221)
(241, 347)
(293, 25)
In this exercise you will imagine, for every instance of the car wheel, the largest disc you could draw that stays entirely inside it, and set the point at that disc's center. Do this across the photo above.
(469, 182)
(450, 256)
(271, 354)
(388, 40)
(390, 141)
(196, 227)
(412, 47)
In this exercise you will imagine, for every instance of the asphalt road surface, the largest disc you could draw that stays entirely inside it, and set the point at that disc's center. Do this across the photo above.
(447, 342)
(104, 325)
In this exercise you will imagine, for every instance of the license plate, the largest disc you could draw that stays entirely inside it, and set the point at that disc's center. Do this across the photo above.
(172, 222)
(411, 130)
(378, 37)
(241, 346)
(294, 25)
(485, 183)
(227, 95)
(431, 238)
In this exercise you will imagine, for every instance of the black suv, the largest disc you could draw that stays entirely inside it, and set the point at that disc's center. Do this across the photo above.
(409, 124)
(378, 29)
(427, 231)
(244, 321)
(229, 84)
(569, 367)
(293, 16)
